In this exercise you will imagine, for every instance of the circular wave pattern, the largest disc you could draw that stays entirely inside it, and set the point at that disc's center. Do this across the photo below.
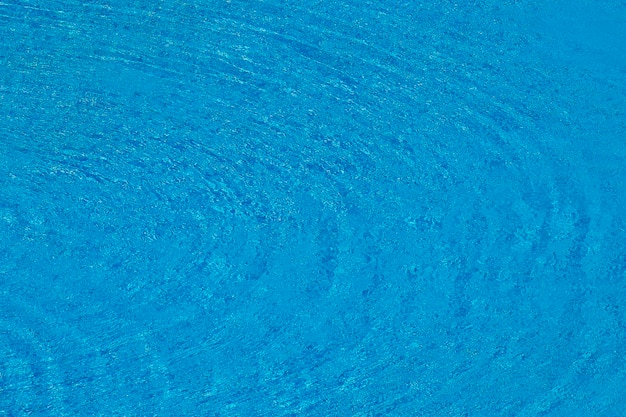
(329, 209)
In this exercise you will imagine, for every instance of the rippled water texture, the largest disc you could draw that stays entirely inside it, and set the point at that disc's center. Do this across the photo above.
(279, 208)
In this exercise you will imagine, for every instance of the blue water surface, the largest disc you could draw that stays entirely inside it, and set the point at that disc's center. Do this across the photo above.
(312, 208)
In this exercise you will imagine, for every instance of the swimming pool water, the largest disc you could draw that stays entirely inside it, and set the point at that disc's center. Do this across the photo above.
(279, 208)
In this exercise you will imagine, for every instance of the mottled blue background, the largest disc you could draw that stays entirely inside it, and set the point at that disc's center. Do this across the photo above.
(314, 208)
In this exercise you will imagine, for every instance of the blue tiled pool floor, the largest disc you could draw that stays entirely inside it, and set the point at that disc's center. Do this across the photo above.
(240, 208)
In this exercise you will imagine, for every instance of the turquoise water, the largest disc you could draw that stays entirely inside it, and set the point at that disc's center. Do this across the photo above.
(277, 208)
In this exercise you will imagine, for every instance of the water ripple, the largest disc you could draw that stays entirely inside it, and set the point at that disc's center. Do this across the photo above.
(362, 193)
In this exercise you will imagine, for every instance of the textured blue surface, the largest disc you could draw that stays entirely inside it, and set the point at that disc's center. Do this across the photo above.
(329, 208)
